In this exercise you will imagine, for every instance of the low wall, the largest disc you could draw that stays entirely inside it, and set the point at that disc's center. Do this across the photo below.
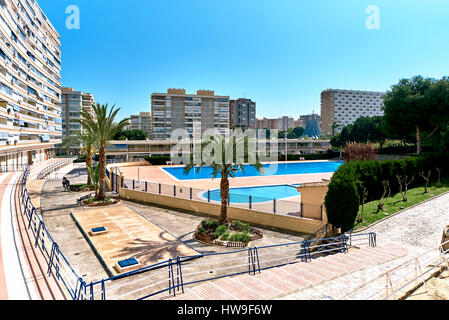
(284, 222)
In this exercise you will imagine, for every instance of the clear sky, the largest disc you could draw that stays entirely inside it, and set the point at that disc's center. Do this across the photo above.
(281, 54)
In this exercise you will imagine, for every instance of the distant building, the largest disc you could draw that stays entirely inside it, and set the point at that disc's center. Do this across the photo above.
(285, 123)
(281, 124)
(242, 113)
(72, 103)
(346, 106)
(312, 130)
(304, 119)
(142, 121)
(195, 113)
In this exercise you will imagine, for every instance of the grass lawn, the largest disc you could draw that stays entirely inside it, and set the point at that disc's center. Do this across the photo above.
(395, 203)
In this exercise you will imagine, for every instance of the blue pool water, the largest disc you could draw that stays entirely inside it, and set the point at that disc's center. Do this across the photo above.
(269, 170)
(258, 194)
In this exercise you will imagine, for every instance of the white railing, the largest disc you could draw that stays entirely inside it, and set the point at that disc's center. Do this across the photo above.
(397, 282)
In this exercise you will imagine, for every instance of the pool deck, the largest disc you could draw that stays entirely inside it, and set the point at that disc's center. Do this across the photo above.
(157, 174)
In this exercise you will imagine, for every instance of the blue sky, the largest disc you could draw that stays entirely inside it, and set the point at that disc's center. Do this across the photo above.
(281, 54)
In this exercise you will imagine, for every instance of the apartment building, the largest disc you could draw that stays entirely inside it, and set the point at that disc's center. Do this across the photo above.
(72, 103)
(242, 114)
(304, 119)
(346, 106)
(30, 89)
(195, 113)
(142, 121)
(281, 124)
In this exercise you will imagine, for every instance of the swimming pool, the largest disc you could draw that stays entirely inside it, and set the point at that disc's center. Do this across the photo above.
(250, 171)
(258, 194)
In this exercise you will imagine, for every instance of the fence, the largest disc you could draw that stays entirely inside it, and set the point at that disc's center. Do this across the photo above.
(57, 263)
(290, 206)
(171, 276)
(397, 282)
(53, 167)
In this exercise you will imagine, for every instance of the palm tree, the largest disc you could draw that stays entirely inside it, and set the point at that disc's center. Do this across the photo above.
(226, 168)
(335, 125)
(89, 145)
(104, 128)
(68, 142)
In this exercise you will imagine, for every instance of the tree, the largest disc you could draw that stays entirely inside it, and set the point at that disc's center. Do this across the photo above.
(224, 164)
(68, 142)
(94, 173)
(134, 134)
(298, 131)
(335, 126)
(104, 128)
(418, 105)
(89, 145)
(359, 151)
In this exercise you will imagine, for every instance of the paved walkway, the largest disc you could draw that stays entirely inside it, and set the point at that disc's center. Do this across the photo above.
(22, 265)
(417, 229)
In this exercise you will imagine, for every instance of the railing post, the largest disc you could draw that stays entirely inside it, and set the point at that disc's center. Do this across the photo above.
(250, 202)
(191, 193)
(103, 290)
(174, 191)
(302, 209)
(146, 186)
(160, 188)
(208, 195)
(274, 205)
(134, 185)
(321, 212)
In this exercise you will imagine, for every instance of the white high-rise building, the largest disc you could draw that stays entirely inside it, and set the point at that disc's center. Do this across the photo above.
(346, 106)
(30, 85)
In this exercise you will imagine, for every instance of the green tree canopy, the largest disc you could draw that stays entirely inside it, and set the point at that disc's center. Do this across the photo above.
(418, 106)
(134, 134)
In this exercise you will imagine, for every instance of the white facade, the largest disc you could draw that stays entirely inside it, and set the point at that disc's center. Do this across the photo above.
(346, 106)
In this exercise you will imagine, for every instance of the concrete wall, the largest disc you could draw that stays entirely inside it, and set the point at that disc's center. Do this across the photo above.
(307, 226)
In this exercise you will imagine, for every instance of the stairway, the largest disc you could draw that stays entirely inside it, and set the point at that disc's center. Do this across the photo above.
(278, 282)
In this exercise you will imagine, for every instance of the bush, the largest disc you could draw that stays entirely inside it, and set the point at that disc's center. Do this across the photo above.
(236, 224)
(225, 236)
(220, 231)
(209, 224)
(342, 199)
(235, 237)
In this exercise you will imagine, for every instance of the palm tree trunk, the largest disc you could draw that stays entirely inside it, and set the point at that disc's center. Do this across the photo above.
(89, 164)
(102, 168)
(224, 193)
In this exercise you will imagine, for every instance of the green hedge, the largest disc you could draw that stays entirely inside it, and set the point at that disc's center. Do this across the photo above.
(315, 156)
(343, 198)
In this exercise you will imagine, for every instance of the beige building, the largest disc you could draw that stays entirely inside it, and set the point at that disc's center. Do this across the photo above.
(242, 113)
(142, 121)
(346, 106)
(195, 113)
(30, 85)
(281, 124)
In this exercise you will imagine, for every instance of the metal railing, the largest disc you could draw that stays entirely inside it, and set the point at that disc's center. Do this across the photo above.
(57, 262)
(171, 276)
(284, 206)
(53, 167)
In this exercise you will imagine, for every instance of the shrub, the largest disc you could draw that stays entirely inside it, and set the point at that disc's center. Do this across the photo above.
(220, 231)
(244, 237)
(235, 237)
(359, 151)
(225, 236)
(236, 224)
(342, 199)
(158, 160)
(209, 224)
